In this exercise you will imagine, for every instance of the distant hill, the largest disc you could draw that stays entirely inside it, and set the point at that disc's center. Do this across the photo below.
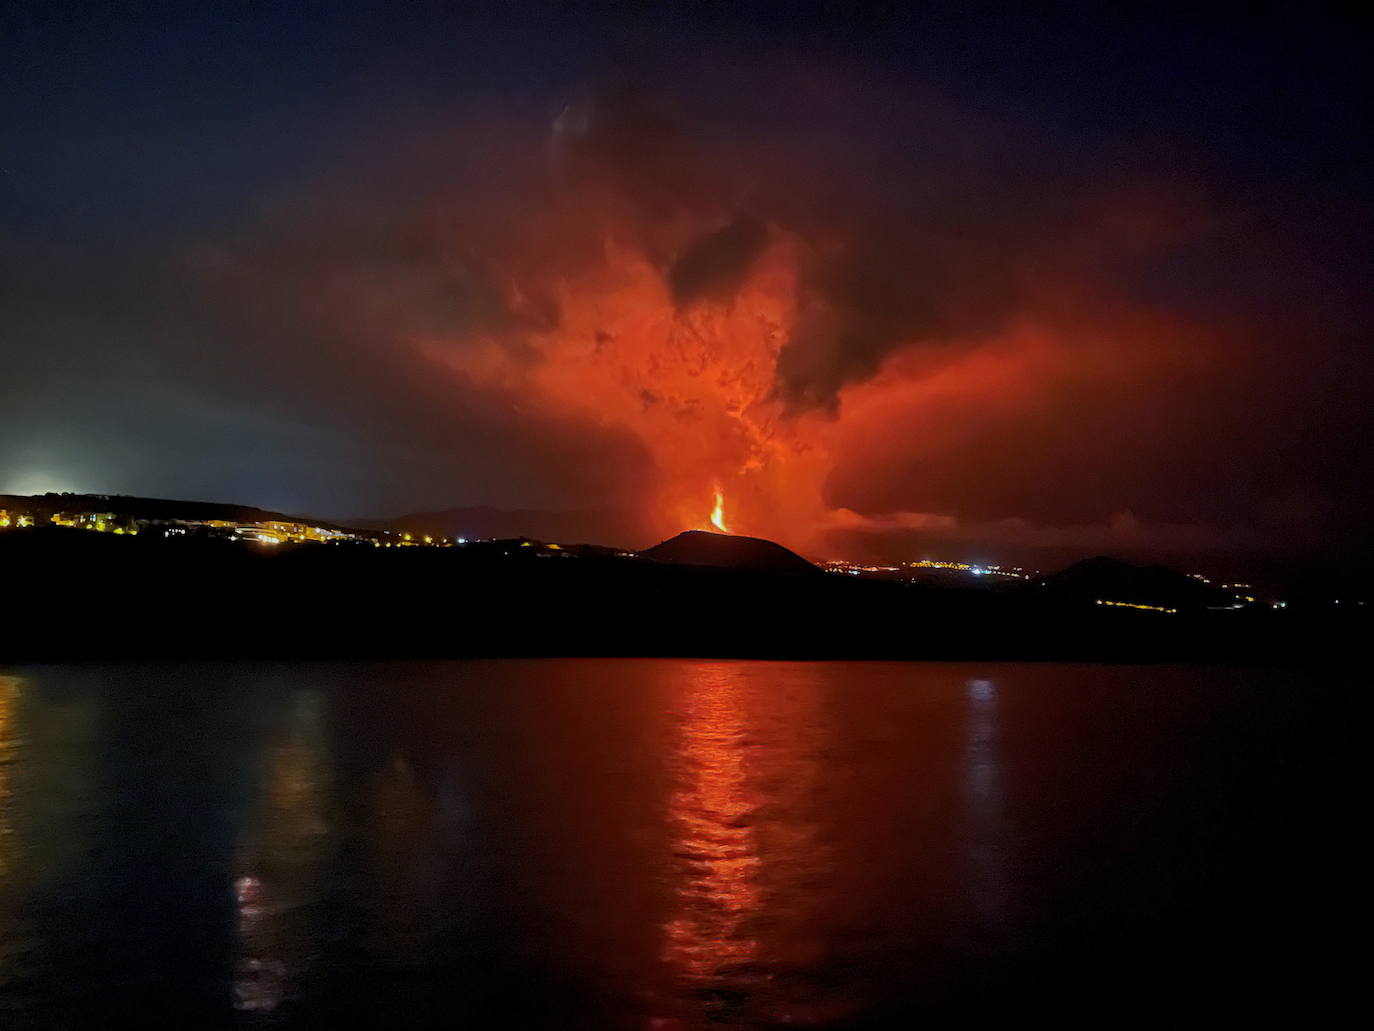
(592, 526)
(154, 508)
(1114, 580)
(729, 551)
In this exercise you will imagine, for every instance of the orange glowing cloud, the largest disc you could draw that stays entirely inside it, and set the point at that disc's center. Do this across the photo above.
(697, 383)
(793, 353)
(694, 383)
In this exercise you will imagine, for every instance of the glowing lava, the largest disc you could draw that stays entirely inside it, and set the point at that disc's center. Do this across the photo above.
(718, 513)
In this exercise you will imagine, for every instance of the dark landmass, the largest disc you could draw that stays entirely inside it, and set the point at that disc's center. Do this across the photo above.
(1105, 577)
(73, 594)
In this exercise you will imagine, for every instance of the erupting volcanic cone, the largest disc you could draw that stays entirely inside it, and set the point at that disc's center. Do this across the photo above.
(704, 548)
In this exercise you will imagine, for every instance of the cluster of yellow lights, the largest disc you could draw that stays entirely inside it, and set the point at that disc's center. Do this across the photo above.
(1230, 587)
(850, 567)
(267, 532)
(969, 567)
(99, 522)
(1133, 605)
(1240, 587)
(840, 566)
(408, 541)
(277, 532)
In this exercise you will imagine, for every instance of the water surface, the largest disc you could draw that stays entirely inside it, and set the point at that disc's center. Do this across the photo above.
(674, 844)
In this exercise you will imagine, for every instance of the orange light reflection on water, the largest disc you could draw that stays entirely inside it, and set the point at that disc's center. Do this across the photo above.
(716, 860)
(744, 940)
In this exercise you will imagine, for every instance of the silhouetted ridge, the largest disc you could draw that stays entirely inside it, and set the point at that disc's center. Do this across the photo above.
(601, 526)
(1114, 580)
(702, 548)
(136, 507)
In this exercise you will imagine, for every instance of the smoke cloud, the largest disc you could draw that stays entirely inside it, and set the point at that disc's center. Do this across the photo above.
(635, 314)
(878, 302)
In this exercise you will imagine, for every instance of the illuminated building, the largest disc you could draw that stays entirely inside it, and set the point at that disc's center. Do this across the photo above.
(13, 519)
(100, 522)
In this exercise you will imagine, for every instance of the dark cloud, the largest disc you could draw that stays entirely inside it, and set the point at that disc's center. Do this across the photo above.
(899, 286)
(1052, 291)
(716, 264)
(625, 142)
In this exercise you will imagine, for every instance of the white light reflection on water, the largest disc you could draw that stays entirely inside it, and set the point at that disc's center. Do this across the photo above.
(280, 860)
(984, 804)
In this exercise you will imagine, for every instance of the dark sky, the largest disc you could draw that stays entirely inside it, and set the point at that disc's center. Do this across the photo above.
(1056, 280)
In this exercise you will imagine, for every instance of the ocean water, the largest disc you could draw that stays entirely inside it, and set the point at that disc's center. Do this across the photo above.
(668, 844)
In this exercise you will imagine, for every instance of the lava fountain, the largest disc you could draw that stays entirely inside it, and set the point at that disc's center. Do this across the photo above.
(718, 513)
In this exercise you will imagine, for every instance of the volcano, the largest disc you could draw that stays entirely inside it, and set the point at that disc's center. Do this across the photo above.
(728, 551)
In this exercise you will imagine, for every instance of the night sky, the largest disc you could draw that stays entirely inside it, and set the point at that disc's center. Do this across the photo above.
(896, 283)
